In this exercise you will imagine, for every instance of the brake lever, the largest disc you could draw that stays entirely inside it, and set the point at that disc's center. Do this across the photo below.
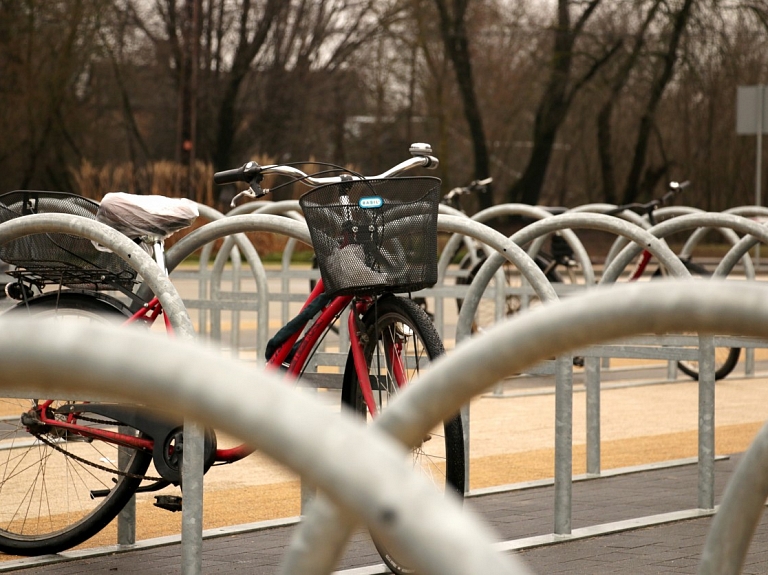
(254, 191)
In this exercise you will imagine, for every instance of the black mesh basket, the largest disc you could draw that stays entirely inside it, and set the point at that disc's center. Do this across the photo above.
(375, 236)
(56, 258)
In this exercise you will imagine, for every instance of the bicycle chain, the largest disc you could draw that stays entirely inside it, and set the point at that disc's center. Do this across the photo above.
(94, 420)
(96, 465)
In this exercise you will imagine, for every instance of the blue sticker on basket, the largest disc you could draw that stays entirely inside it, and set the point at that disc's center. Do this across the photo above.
(371, 202)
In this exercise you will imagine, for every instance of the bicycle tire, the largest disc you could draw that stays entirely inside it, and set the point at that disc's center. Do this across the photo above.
(46, 506)
(396, 318)
(726, 358)
(485, 315)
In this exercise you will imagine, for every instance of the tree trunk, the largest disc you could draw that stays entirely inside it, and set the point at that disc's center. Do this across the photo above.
(454, 33)
(605, 115)
(555, 102)
(246, 52)
(634, 187)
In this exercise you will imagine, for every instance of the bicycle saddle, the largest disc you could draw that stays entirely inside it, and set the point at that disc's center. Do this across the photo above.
(146, 216)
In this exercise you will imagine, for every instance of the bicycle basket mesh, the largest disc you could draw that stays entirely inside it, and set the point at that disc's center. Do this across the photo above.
(375, 236)
(57, 258)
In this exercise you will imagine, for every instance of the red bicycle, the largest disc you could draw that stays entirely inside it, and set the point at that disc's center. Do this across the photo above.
(726, 358)
(61, 480)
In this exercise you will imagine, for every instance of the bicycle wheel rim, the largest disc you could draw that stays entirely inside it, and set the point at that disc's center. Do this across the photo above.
(48, 478)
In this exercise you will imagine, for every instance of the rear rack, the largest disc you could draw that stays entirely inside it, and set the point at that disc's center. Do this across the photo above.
(57, 258)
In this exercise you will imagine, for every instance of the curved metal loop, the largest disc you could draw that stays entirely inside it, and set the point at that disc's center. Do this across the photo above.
(505, 249)
(241, 224)
(684, 223)
(556, 223)
(539, 213)
(361, 469)
(452, 246)
(595, 316)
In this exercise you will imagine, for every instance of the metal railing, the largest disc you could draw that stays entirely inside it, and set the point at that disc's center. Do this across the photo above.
(573, 325)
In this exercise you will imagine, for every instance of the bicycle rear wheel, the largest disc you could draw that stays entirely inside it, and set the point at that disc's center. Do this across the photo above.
(401, 323)
(48, 476)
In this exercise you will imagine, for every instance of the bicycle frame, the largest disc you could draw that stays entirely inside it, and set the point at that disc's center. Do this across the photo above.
(645, 257)
(149, 313)
(296, 356)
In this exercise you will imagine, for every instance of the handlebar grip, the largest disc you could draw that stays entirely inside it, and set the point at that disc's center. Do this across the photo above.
(228, 176)
(243, 174)
(430, 162)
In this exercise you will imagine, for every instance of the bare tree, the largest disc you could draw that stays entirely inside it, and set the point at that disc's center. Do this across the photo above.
(453, 29)
(618, 81)
(558, 95)
(642, 177)
(47, 50)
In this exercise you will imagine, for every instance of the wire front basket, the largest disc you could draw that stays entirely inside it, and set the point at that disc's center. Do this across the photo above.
(375, 236)
(57, 258)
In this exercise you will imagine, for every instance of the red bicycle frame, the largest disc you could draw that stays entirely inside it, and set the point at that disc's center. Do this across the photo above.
(645, 257)
(149, 313)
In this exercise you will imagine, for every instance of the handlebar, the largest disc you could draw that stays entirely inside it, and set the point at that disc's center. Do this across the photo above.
(474, 186)
(252, 173)
(647, 208)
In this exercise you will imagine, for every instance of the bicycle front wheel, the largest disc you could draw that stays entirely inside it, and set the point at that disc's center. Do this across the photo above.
(726, 358)
(59, 488)
(399, 324)
(487, 313)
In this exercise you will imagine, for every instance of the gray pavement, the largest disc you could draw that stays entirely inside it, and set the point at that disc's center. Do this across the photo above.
(515, 515)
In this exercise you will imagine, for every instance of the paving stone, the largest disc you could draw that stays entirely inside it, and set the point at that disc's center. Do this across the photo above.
(662, 549)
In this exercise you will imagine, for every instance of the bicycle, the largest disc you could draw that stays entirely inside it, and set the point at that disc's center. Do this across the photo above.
(382, 227)
(560, 257)
(726, 358)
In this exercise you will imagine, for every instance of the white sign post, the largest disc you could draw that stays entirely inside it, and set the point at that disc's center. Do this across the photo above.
(752, 118)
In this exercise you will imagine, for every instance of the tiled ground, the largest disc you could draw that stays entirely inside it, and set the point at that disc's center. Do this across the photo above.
(669, 548)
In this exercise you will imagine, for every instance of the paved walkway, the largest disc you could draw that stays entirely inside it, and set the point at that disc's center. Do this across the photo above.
(517, 515)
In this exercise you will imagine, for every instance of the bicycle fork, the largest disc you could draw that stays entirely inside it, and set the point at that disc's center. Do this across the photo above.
(359, 339)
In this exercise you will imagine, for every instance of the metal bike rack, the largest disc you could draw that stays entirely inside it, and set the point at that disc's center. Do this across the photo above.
(119, 244)
(743, 211)
(533, 212)
(730, 236)
(594, 317)
(289, 208)
(711, 306)
(563, 366)
(242, 223)
(463, 227)
(558, 223)
(239, 243)
(359, 467)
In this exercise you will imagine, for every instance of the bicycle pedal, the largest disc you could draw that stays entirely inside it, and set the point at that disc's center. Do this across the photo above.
(168, 502)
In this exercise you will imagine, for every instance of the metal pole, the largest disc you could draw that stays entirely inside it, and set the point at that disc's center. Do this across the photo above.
(759, 160)
(739, 513)
(759, 163)
(192, 510)
(592, 376)
(465, 422)
(126, 520)
(563, 443)
(706, 422)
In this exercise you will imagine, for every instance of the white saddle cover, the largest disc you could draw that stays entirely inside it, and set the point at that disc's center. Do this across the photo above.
(146, 216)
